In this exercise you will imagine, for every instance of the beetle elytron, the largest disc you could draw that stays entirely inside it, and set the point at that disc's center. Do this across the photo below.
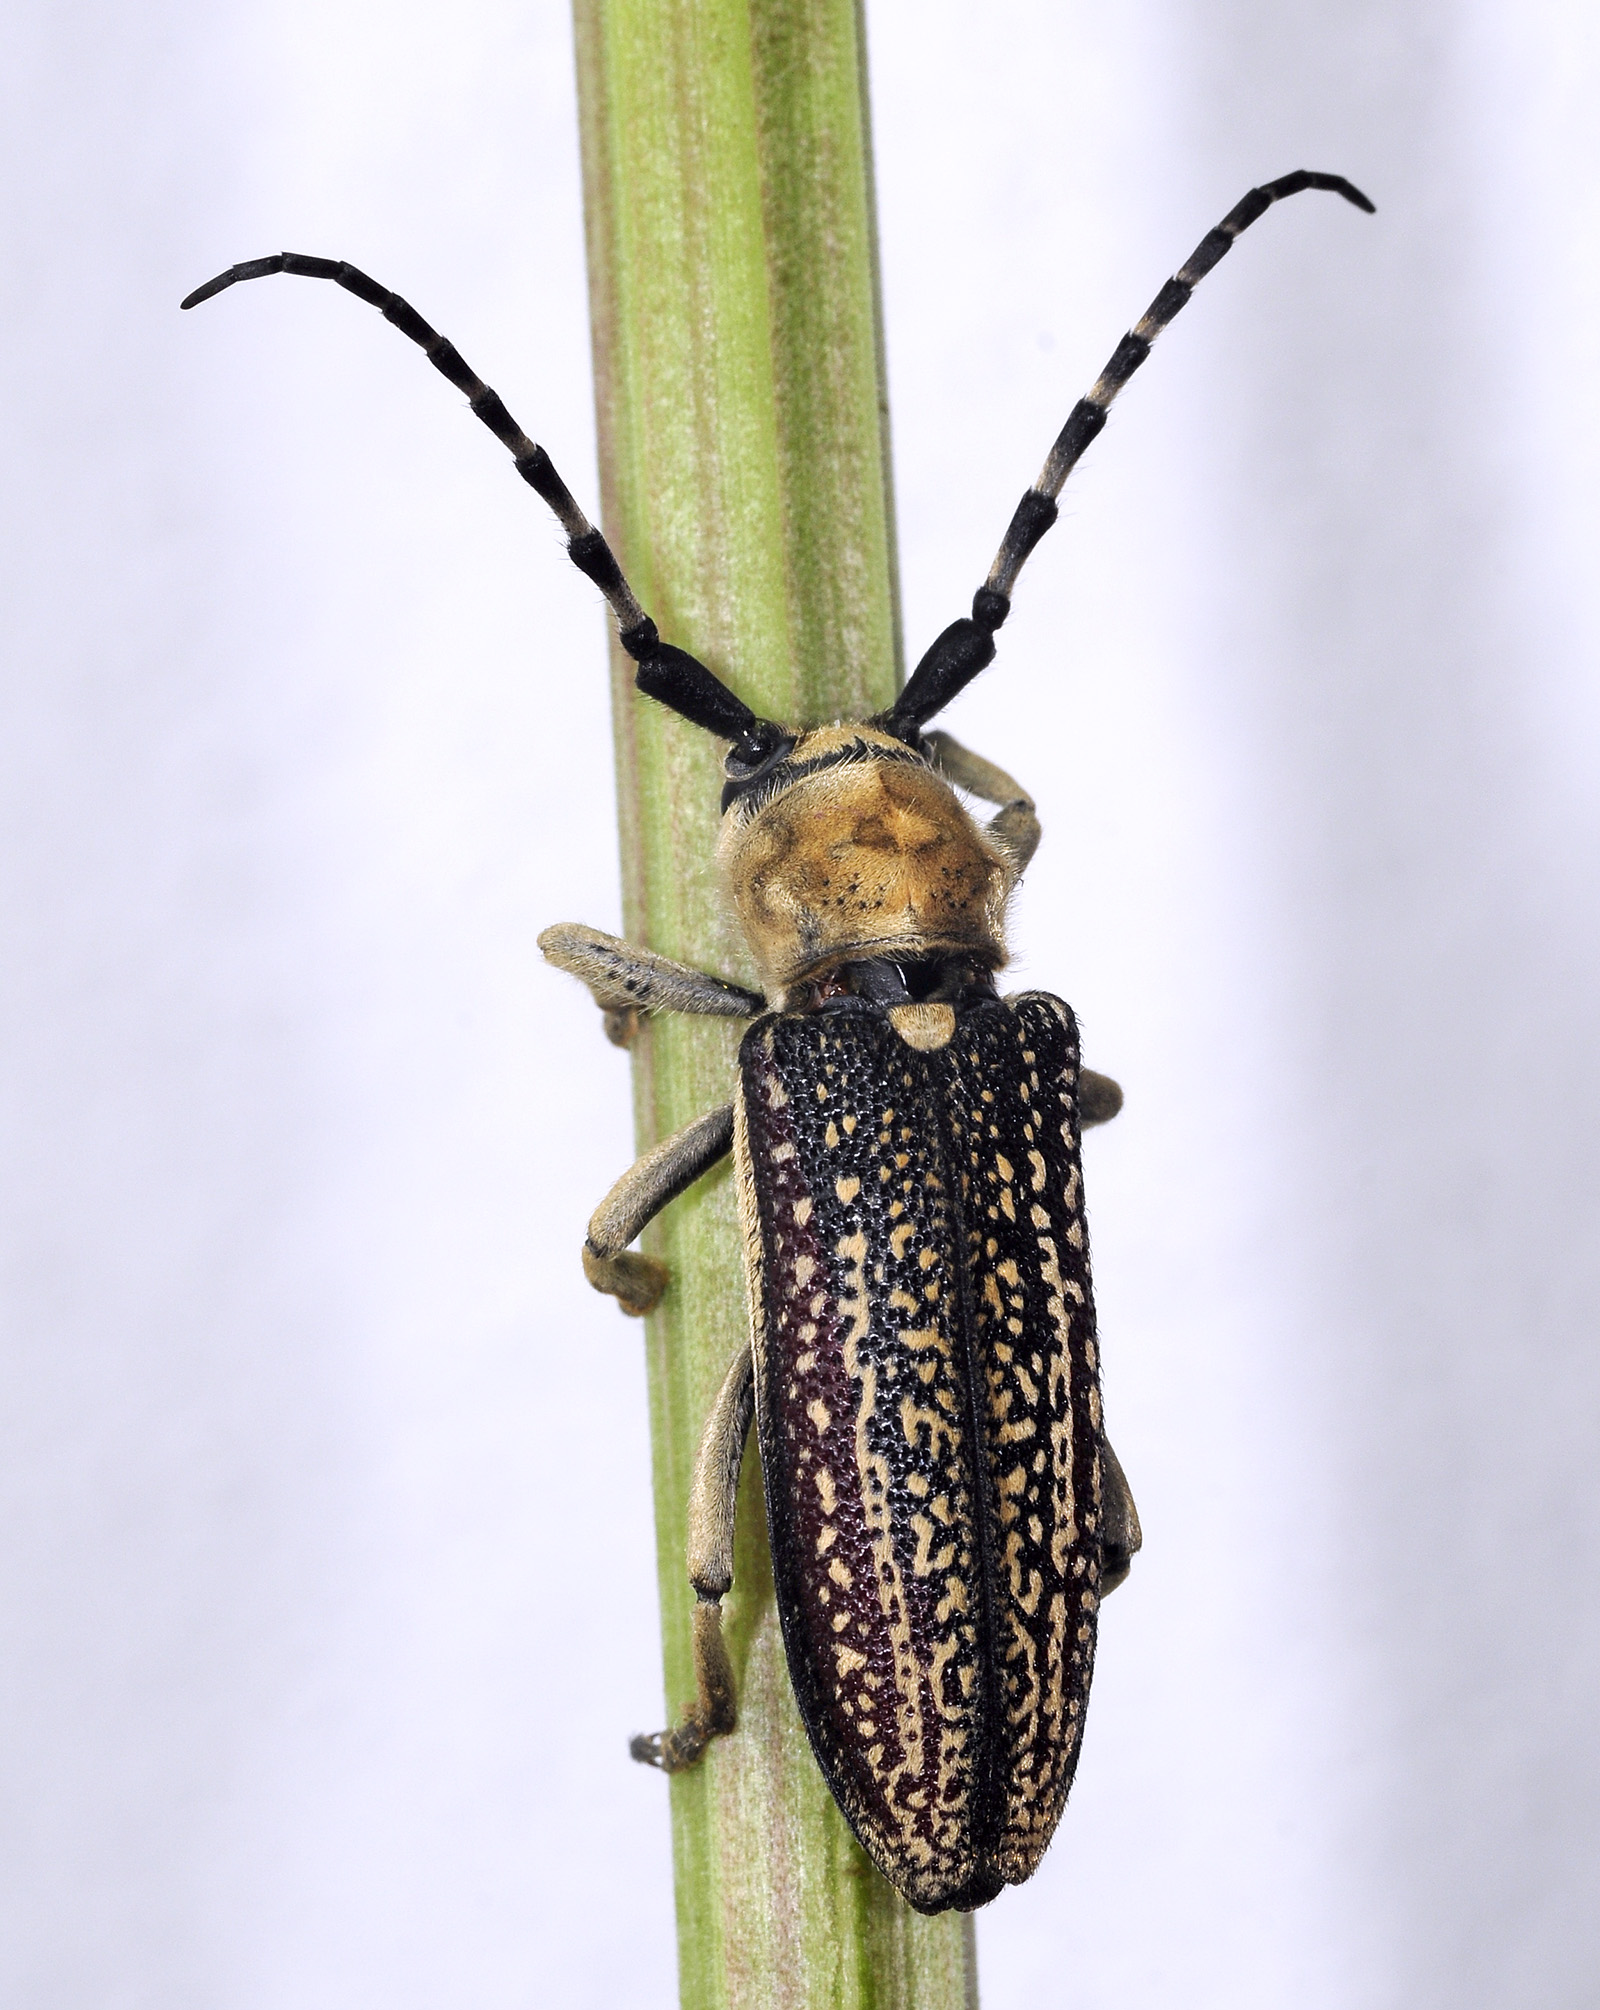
(945, 1510)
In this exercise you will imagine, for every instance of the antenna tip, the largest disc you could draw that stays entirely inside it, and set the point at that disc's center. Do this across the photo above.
(212, 286)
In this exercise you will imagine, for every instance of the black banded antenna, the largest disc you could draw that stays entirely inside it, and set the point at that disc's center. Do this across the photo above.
(670, 675)
(967, 646)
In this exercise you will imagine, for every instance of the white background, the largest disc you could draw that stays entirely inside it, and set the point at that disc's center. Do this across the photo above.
(327, 1562)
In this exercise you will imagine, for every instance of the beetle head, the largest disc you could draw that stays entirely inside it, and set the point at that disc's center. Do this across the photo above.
(845, 846)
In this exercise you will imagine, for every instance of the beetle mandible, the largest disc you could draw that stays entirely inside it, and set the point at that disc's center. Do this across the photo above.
(945, 1509)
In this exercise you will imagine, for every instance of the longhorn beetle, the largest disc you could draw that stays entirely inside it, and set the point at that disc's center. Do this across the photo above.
(945, 1509)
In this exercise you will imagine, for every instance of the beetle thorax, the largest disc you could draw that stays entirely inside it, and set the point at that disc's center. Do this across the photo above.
(855, 848)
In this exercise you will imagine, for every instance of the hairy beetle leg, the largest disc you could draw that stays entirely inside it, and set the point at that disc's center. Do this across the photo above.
(1122, 1537)
(1015, 825)
(622, 1025)
(1099, 1098)
(713, 1495)
(636, 1282)
(625, 981)
(712, 1714)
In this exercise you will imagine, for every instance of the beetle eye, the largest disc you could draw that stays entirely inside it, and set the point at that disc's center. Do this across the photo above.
(755, 756)
(759, 750)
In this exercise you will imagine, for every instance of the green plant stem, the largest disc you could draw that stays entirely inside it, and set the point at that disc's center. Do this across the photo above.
(745, 486)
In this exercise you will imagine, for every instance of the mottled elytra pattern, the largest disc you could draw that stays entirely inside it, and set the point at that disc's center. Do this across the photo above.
(929, 1414)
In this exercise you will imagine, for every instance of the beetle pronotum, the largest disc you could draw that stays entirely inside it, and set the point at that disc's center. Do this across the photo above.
(944, 1507)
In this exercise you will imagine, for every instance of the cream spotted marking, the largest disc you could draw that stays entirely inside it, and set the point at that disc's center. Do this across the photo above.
(946, 1511)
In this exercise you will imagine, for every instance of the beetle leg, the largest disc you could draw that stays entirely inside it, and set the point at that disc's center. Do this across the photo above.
(1015, 826)
(712, 1497)
(1099, 1098)
(1121, 1538)
(636, 1282)
(625, 981)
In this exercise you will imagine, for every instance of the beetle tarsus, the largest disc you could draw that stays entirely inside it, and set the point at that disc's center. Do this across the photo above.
(673, 1751)
(621, 1024)
(635, 1282)
(713, 1713)
(1099, 1098)
(1121, 1537)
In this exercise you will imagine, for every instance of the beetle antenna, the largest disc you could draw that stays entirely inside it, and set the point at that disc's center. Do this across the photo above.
(670, 675)
(966, 647)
